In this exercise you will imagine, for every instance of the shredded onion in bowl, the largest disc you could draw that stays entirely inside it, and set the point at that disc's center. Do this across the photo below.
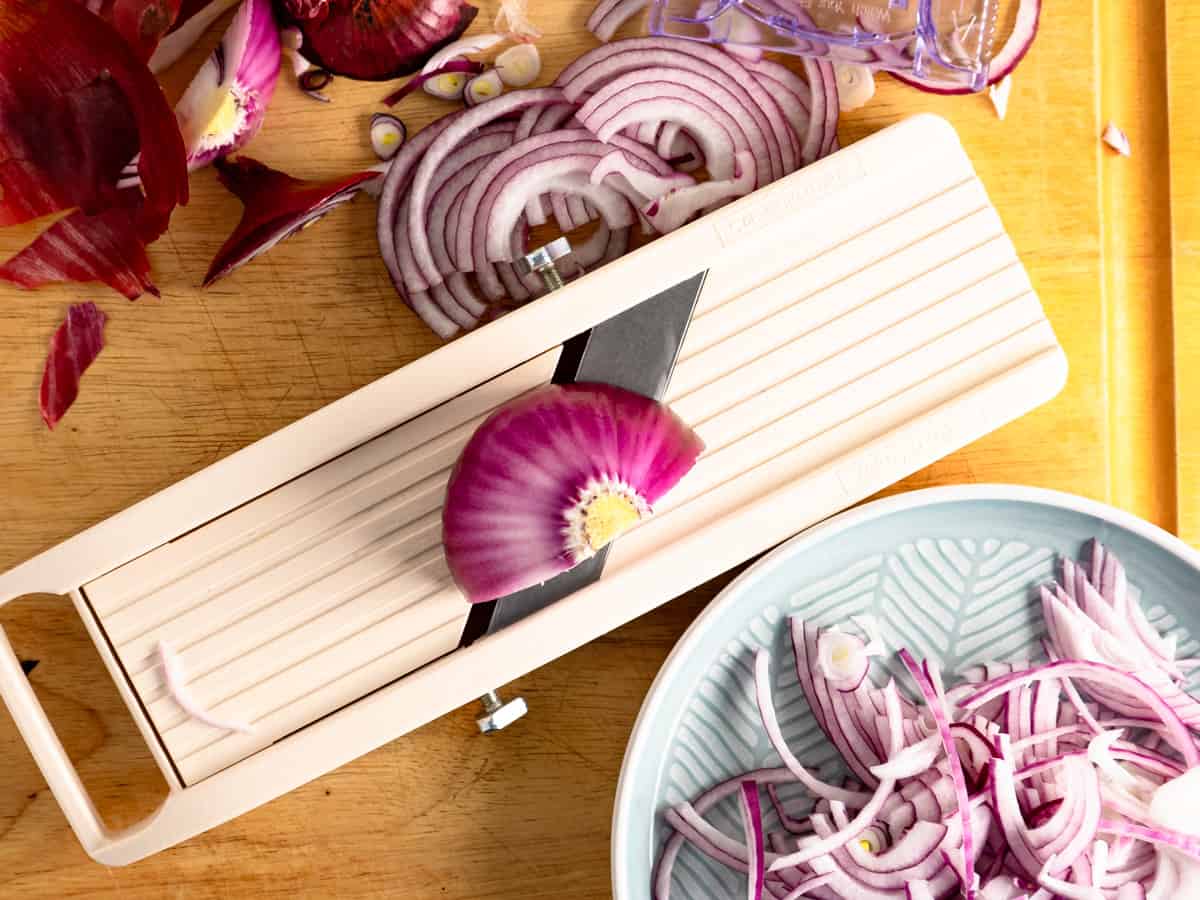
(1011, 784)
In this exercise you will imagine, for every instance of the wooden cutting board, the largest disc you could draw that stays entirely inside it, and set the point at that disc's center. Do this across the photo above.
(1183, 30)
(445, 813)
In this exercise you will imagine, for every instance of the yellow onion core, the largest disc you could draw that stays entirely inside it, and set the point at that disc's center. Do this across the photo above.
(224, 118)
(604, 509)
(606, 517)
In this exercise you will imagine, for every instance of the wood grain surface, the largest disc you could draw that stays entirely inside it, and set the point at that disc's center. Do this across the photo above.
(445, 813)
(1182, 32)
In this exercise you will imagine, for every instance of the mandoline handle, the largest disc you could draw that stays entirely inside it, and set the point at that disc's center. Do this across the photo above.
(48, 751)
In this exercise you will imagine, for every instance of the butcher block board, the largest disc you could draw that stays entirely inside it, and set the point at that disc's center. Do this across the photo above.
(445, 813)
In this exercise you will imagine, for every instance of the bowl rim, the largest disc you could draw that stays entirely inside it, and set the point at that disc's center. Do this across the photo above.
(875, 509)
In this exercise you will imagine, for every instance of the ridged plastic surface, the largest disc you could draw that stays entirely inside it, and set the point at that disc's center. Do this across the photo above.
(306, 598)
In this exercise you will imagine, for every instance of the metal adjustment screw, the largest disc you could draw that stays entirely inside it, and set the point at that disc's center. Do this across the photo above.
(499, 714)
(544, 261)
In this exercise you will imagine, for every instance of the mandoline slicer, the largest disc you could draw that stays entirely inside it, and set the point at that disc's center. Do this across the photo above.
(859, 320)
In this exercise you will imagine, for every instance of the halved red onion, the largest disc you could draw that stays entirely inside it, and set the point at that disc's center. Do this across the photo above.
(276, 207)
(553, 477)
(380, 40)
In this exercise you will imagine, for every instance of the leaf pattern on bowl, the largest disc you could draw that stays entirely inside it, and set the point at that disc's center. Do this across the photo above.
(959, 601)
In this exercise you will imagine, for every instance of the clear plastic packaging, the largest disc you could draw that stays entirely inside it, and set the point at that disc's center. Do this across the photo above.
(948, 42)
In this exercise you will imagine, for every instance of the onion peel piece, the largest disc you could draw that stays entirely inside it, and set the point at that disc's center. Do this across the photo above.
(68, 81)
(109, 247)
(75, 345)
(276, 207)
(140, 23)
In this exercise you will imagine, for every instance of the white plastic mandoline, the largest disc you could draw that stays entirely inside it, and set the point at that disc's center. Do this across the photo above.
(861, 319)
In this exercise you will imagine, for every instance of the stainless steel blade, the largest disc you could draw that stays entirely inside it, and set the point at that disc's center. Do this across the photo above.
(636, 350)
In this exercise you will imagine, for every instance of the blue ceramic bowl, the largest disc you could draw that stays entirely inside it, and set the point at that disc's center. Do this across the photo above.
(948, 572)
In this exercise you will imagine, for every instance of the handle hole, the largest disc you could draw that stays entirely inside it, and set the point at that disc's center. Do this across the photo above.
(87, 712)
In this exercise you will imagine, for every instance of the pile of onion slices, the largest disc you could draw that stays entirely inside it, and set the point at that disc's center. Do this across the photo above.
(613, 146)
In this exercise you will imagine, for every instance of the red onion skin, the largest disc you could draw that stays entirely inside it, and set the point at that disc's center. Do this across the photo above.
(75, 345)
(275, 206)
(379, 47)
(109, 247)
